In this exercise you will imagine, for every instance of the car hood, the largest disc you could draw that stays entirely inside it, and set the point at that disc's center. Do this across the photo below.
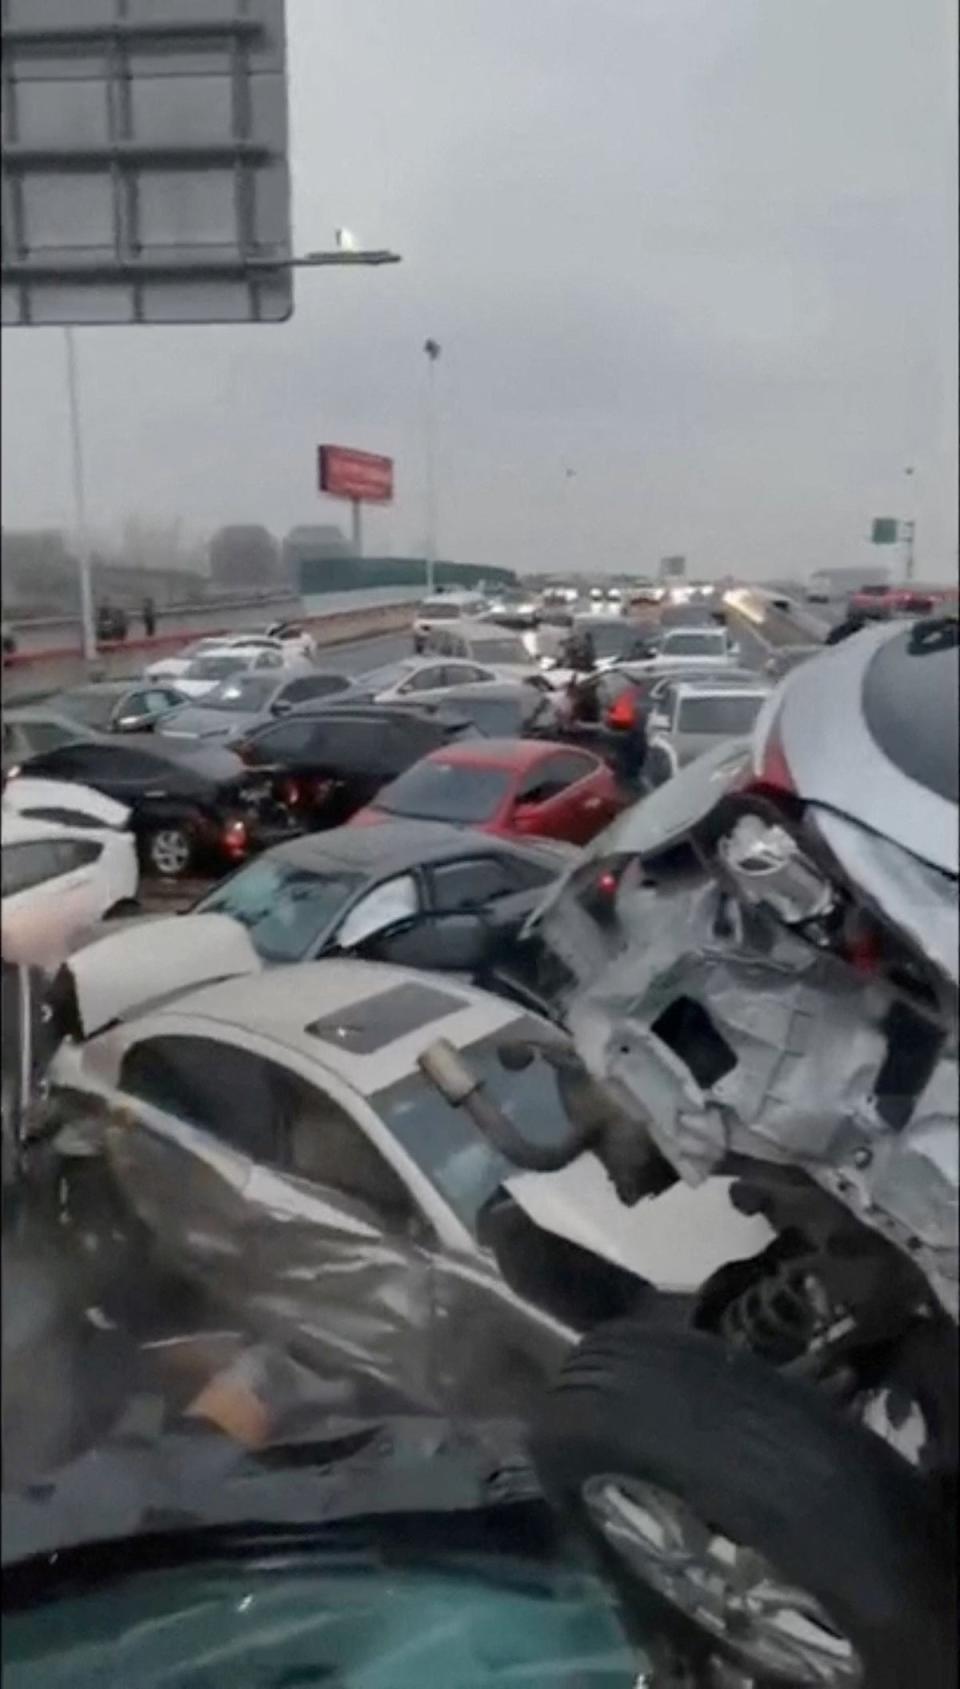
(195, 688)
(191, 723)
(137, 964)
(26, 794)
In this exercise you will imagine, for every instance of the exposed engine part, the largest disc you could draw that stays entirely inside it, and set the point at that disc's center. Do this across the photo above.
(781, 1315)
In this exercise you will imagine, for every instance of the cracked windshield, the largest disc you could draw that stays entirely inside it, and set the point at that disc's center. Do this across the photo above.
(479, 836)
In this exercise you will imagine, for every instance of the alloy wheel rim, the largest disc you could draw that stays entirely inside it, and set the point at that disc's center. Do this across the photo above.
(729, 1591)
(170, 852)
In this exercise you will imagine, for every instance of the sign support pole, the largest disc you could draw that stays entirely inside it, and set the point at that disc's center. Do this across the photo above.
(356, 526)
(82, 537)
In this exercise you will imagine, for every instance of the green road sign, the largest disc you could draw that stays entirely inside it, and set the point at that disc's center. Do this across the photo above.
(885, 530)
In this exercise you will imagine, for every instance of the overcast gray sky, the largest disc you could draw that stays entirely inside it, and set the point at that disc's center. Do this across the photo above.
(700, 252)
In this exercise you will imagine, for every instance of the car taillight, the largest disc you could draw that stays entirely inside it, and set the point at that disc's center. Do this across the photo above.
(608, 883)
(235, 838)
(291, 793)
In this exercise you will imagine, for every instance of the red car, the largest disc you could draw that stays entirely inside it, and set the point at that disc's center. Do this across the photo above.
(882, 601)
(505, 786)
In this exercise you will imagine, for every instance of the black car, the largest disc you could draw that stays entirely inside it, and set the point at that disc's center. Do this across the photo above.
(332, 892)
(188, 808)
(325, 763)
(118, 706)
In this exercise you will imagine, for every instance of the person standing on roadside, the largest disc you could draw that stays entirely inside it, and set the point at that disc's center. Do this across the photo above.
(149, 617)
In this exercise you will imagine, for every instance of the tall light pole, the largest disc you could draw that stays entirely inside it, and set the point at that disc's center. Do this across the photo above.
(910, 526)
(81, 530)
(432, 350)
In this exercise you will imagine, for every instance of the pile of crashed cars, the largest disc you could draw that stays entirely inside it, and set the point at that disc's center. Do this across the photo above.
(404, 1104)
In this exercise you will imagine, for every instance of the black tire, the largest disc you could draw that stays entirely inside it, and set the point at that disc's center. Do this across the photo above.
(169, 851)
(768, 1462)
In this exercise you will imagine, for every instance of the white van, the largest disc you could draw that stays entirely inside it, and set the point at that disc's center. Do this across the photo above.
(442, 609)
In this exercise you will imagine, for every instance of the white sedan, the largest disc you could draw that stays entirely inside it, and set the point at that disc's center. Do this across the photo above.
(415, 678)
(60, 877)
(205, 673)
(275, 1134)
(247, 645)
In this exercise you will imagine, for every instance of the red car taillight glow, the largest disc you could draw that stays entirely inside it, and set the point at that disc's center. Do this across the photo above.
(235, 838)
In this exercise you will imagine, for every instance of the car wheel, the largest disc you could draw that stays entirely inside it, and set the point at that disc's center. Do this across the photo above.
(792, 1544)
(170, 852)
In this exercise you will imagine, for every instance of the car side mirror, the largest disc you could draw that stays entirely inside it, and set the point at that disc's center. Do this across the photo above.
(281, 706)
(133, 724)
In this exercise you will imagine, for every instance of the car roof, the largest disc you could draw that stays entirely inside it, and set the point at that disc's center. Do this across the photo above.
(97, 689)
(366, 1033)
(503, 753)
(404, 843)
(40, 712)
(691, 690)
(509, 689)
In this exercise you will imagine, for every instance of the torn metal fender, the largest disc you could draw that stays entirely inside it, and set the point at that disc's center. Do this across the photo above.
(806, 1044)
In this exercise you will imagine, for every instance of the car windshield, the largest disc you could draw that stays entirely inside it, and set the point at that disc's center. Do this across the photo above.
(499, 651)
(93, 709)
(467, 793)
(215, 668)
(693, 644)
(244, 695)
(448, 1147)
(286, 909)
(612, 639)
(720, 714)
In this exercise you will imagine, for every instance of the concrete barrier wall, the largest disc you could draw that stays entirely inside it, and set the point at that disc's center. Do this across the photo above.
(32, 673)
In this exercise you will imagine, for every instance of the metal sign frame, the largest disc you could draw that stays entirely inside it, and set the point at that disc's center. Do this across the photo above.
(145, 173)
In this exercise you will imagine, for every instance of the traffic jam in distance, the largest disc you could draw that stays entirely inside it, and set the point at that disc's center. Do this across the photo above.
(418, 1009)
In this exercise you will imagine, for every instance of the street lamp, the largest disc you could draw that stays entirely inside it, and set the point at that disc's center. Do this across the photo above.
(346, 253)
(432, 351)
(910, 526)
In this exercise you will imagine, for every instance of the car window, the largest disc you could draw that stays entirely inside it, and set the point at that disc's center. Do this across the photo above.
(286, 909)
(426, 680)
(27, 865)
(722, 715)
(32, 864)
(499, 651)
(495, 717)
(328, 1147)
(693, 644)
(447, 791)
(215, 668)
(219, 1087)
(393, 901)
(287, 742)
(469, 883)
(313, 686)
(554, 775)
(36, 737)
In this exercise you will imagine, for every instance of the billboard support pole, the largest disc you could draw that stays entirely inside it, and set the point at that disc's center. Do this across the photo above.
(82, 536)
(356, 526)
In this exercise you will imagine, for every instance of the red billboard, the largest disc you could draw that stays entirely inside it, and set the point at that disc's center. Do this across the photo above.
(361, 476)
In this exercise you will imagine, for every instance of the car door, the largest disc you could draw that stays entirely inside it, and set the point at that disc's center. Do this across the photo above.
(50, 894)
(267, 1191)
(568, 795)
